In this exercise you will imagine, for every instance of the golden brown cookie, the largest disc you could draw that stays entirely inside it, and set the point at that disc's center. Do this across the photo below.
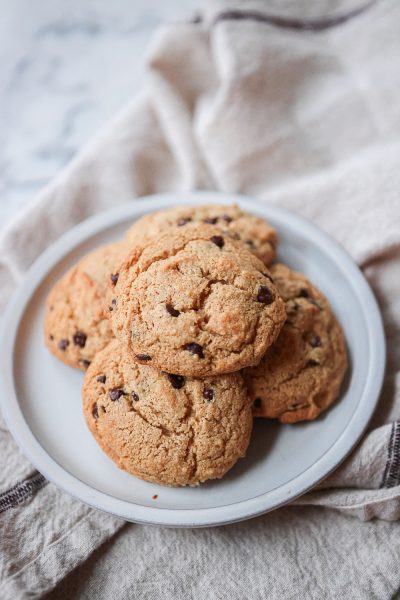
(256, 233)
(76, 326)
(165, 428)
(301, 374)
(196, 302)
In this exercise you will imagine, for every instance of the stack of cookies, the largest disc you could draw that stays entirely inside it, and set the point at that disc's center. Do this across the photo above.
(187, 329)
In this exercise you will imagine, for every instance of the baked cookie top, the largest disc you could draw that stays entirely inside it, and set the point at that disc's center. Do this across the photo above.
(196, 302)
(257, 234)
(76, 325)
(165, 428)
(301, 374)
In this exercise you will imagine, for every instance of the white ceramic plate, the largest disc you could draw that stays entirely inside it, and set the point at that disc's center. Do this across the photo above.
(42, 404)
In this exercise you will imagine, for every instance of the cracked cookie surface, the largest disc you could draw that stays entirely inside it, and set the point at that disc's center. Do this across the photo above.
(301, 374)
(76, 326)
(197, 303)
(165, 428)
(259, 236)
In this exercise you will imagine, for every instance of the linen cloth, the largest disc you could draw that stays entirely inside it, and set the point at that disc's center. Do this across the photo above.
(305, 118)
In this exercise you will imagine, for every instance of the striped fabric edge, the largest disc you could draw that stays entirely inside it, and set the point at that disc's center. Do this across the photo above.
(391, 474)
(22, 491)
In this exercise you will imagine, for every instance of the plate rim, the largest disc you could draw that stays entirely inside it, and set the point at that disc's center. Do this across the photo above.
(199, 517)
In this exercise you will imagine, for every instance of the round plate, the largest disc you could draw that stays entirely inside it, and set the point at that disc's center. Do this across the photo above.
(41, 397)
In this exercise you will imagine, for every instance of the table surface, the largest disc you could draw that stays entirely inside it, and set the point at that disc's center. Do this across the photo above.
(65, 68)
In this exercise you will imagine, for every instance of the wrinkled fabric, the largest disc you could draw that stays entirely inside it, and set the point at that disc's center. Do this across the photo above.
(308, 120)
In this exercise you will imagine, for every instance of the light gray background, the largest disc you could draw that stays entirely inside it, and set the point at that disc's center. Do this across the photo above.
(65, 68)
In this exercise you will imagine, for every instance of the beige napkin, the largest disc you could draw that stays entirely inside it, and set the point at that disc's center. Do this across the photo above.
(307, 119)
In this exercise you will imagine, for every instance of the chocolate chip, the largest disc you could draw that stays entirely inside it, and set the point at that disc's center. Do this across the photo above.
(51, 337)
(135, 397)
(208, 394)
(95, 411)
(115, 394)
(312, 363)
(210, 220)
(84, 362)
(304, 293)
(264, 295)
(194, 348)
(110, 308)
(101, 378)
(80, 339)
(51, 308)
(315, 342)
(114, 301)
(143, 357)
(227, 218)
(250, 243)
(218, 240)
(63, 344)
(114, 278)
(177, 381)
(183, 221)
(172, 311)
(257, 403)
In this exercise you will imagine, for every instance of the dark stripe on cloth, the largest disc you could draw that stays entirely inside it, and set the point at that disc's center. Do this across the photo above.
(22, 491)
(314, 25)
(391, 475)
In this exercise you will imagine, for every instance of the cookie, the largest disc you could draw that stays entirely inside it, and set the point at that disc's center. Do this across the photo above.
(76, 326)
(256, 233)
(165, 428)
(301, 374)
(196, 302)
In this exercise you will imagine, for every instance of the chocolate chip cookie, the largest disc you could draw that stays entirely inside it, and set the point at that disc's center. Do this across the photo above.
(301, 374)
(76, 326)
(196, 302)
(256, 233)
(163, 427)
